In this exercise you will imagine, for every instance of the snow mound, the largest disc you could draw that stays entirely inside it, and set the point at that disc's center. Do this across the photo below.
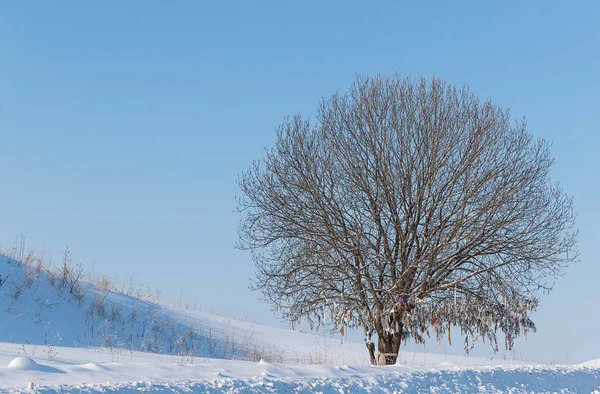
(91, 366)
(592, 363)
(26, 364)
(23, 364)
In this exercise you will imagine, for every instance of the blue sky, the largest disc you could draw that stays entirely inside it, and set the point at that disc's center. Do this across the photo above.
(124, 125)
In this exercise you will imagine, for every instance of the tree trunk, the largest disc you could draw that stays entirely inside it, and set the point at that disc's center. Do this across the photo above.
(371, 349)
(388, 347)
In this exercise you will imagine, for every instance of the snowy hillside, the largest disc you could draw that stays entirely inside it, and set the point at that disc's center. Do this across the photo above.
(38, 311)
(59, 333)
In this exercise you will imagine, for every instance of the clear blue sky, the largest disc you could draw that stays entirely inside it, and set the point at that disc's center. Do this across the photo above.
(124, 125)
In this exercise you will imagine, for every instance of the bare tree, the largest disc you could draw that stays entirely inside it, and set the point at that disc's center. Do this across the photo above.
(407, 208)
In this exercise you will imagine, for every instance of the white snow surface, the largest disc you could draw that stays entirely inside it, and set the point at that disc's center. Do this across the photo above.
(87, 371)
(50, 343)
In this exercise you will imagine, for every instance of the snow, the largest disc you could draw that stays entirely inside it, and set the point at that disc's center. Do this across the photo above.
(24, 364)
(153, 373)
(52, 344)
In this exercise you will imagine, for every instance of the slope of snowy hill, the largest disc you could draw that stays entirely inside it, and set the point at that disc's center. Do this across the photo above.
(59, 334)
(36, 310)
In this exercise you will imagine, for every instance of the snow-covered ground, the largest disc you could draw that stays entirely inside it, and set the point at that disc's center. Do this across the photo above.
(87, 371)
(53, 341)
